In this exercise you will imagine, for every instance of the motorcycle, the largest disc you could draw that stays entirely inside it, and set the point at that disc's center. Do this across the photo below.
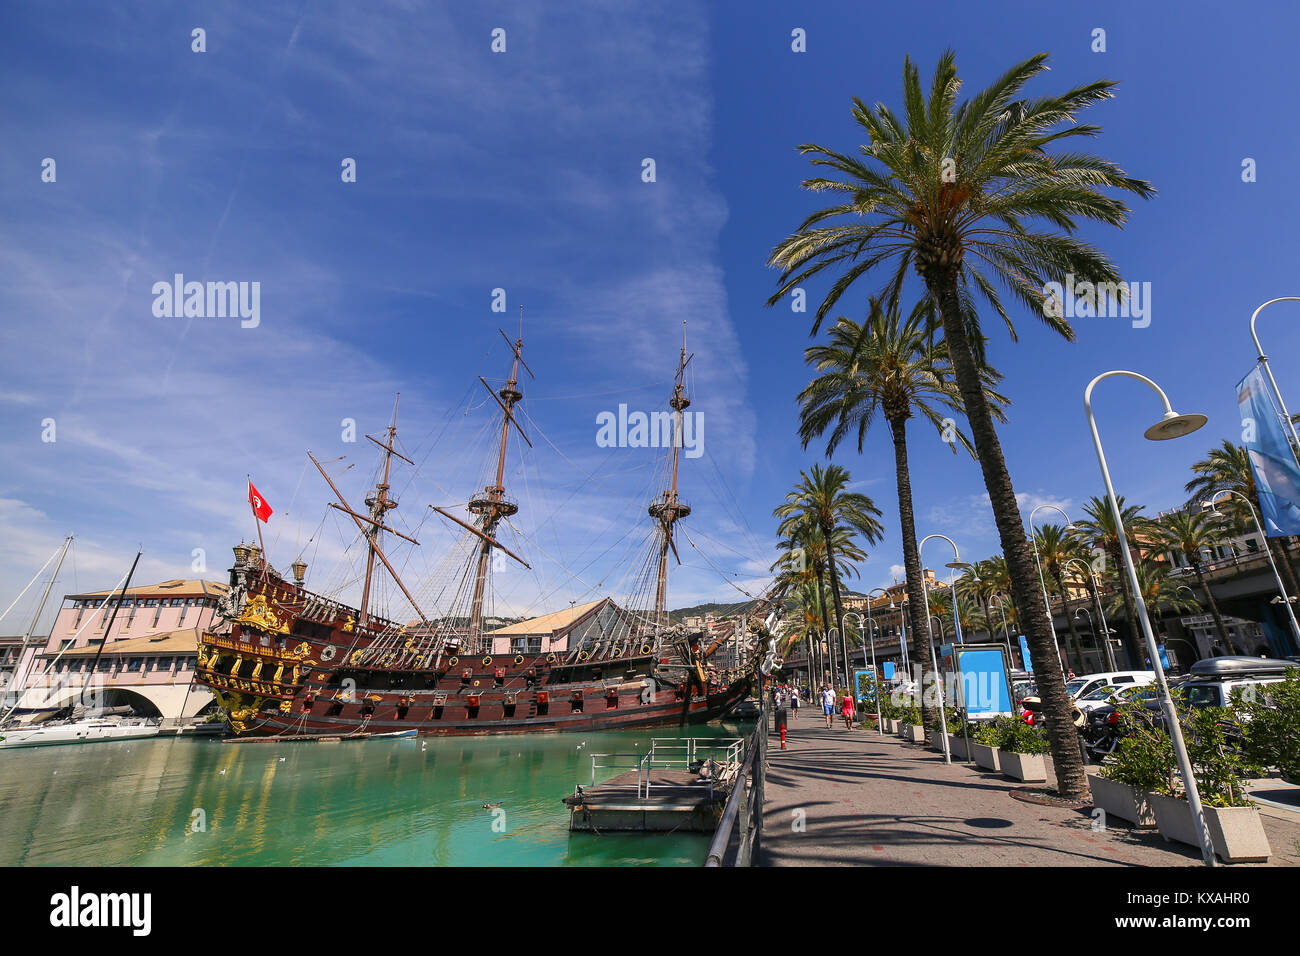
(1101, 732)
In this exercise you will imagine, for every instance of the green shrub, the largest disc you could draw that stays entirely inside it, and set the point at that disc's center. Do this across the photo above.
(1271, 725)
(1145, 757)
(911, 715)
(985, 733)
(1220, 766)
(1018, 737)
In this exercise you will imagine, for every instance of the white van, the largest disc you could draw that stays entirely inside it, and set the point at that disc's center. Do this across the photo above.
(1085, 685)
(1213, 680)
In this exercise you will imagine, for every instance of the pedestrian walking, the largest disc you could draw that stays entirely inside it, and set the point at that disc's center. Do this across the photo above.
(846, 709)
(828, 704)
(794, 701)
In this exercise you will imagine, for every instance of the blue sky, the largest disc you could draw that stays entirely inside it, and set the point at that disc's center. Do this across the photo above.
(522, 170)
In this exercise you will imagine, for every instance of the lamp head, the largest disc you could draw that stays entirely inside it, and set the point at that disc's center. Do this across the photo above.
(1071, 528)
(957, 565)
(1173, 425)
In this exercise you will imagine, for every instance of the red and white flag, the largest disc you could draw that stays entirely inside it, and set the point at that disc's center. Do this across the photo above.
(260, 507)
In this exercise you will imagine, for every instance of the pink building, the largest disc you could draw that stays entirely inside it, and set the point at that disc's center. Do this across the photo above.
(562, 631)
(148, 654)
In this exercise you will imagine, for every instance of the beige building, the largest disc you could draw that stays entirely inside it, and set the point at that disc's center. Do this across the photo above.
(145, 658)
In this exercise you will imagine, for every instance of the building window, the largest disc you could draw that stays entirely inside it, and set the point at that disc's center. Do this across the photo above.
(164, 664)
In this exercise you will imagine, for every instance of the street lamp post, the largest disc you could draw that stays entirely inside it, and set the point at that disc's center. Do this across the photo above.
(1171, 425)
(875, 675)
(1263, 360)
(1286, 600)
(1096, 593)
(934, 659)
(1033, 539)
(885, 592)
(1006, 630)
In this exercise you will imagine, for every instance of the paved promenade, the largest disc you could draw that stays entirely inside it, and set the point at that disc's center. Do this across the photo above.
(877, 801)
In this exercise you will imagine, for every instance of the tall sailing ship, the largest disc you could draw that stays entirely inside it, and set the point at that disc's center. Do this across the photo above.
(284, 661)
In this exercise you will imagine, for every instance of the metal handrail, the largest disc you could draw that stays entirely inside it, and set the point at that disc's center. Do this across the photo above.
(744, 806)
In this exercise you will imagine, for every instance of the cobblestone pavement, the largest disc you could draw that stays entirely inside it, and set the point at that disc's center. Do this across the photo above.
(839, 797)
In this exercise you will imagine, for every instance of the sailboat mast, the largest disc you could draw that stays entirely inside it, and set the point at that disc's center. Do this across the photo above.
(379, 503)
(667, 509)
(492, 505)
(21, 678)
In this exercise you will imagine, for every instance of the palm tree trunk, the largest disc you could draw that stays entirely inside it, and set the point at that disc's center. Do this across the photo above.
(835, 596)
(1071, 779)
(821, 605)
(911, 556)
(1214, 607)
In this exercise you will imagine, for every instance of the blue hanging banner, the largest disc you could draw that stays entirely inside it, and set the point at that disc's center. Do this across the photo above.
(1277, 476)
(887, 670)
(1024, 654)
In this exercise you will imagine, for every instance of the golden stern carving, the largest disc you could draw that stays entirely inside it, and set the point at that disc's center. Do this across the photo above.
(258, 613)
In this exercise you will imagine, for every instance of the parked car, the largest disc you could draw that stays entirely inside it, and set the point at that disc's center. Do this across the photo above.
(1107, 693)
(1212, 681)
(1081, 686)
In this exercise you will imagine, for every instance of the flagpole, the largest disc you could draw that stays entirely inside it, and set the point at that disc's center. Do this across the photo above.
(257, 521)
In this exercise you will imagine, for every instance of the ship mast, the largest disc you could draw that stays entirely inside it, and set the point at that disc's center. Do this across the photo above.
(668, 508)
(492, 504)
(379, 503)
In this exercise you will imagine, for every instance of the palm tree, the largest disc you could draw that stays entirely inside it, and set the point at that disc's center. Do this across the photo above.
(886, 368)
(969, 196)
(1160, 593)
(1055, 548)
(1192, 533)
(1228, 468)
(805, 544)
(822, 499)
(1097, 530)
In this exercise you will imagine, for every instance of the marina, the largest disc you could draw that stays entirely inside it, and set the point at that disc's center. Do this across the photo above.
(397, 802)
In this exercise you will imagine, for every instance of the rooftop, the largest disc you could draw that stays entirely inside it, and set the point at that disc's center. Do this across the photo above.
(183, 641)
(194, 587)
(553, 623)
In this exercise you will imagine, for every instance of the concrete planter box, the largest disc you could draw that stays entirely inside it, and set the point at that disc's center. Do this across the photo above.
(1236, 833)
(1122, 801)
(890, 726)
(914, 734)
(1028, 768)
(956, 745)
(984, 755)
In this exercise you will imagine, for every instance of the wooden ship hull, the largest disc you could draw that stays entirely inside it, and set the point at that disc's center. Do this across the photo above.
(292, 664)
(286, 662)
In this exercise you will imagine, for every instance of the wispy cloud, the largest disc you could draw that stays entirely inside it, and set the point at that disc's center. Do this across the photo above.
(475, 171)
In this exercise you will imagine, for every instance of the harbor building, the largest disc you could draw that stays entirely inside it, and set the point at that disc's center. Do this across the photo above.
(145, 659)
(584, 625)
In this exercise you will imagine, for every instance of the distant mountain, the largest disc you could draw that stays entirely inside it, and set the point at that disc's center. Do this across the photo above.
(717, 610)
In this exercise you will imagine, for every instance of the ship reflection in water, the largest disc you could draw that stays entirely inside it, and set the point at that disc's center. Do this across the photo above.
(411, 802)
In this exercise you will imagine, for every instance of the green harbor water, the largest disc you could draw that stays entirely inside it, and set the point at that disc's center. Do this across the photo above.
(408, 802)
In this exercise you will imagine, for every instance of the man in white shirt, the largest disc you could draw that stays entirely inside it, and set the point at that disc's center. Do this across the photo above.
(828, 704)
